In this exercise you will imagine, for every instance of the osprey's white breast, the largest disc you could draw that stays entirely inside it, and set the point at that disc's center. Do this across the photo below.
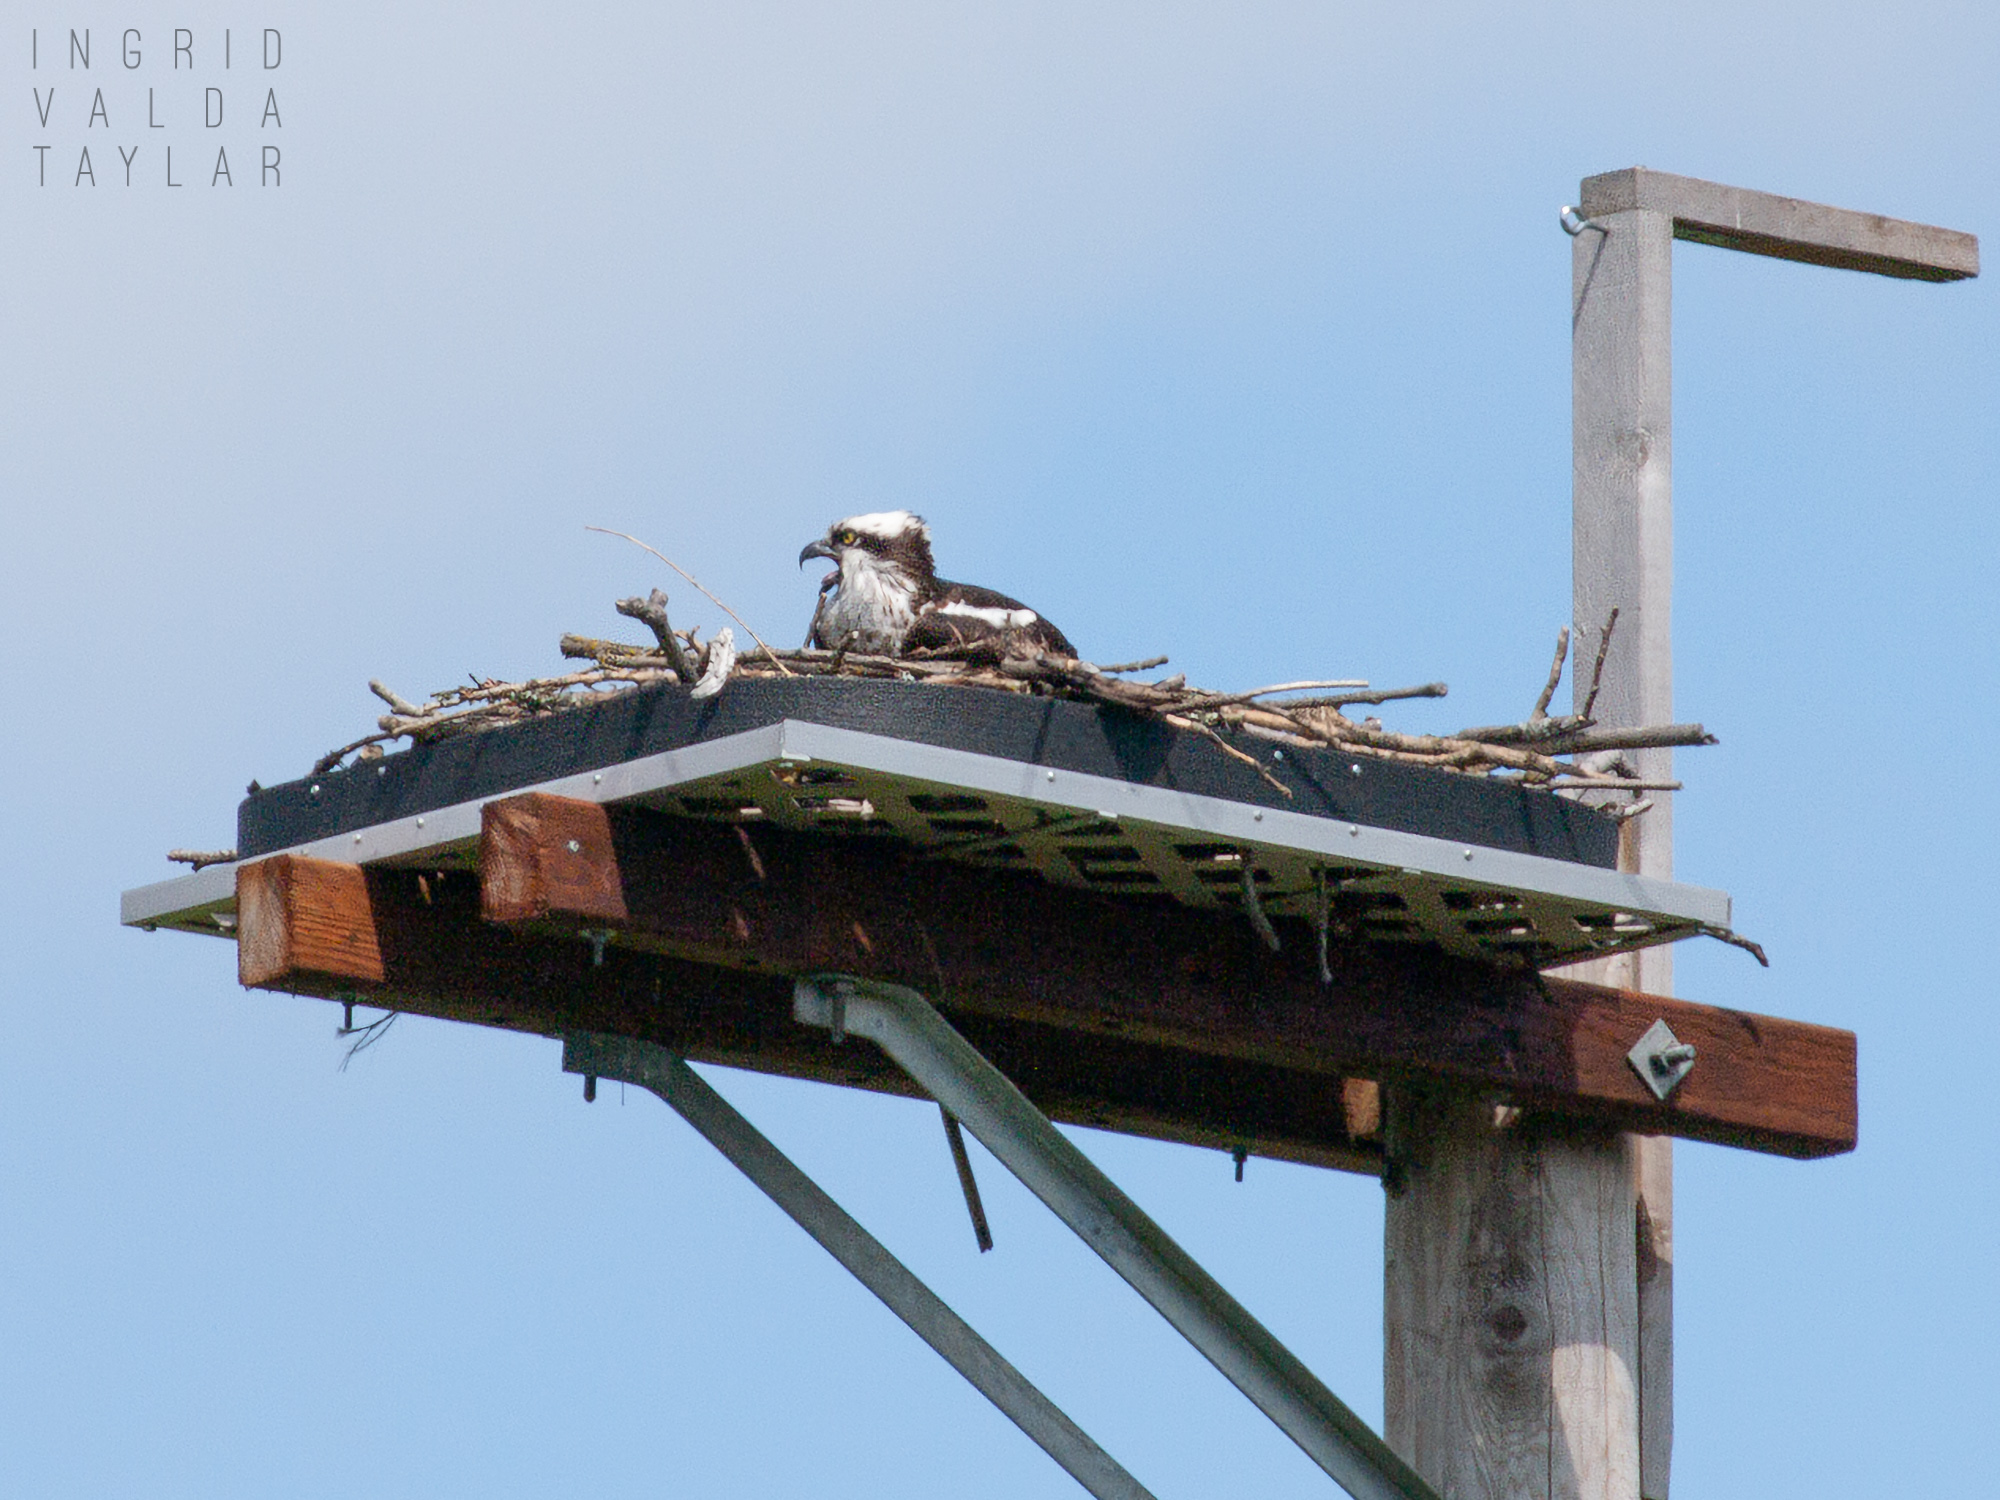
(876, 603)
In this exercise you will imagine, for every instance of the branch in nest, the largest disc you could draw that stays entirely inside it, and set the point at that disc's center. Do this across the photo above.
(1597, 671)
(1555, 675)
(401, 704)
(607, 531)
(652, 611)
(1204, 702)
(1380, 695)
(1657, 736)
(1227, 749)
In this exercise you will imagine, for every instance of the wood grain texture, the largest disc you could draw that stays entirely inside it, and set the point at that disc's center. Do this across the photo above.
(1192, 983)
(305, 917)
(1788, 228)
(434, 954)
(1622, 498)
(538, 855)
(1510, 1307)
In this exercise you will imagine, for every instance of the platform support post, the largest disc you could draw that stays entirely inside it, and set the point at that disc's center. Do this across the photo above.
(1529, 1279)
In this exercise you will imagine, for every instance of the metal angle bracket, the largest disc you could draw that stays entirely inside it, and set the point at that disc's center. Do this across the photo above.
(920, 1041)
(661, 1072)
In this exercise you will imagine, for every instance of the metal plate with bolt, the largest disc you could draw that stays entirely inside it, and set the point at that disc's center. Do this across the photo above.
(1662, 1059)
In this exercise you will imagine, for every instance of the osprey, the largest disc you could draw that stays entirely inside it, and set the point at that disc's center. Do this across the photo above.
(887, 598)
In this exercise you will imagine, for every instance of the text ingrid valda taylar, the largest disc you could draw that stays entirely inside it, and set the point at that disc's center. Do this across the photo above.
(159, 109)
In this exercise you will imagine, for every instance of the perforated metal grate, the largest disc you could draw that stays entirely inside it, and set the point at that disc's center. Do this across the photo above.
(1126, 855)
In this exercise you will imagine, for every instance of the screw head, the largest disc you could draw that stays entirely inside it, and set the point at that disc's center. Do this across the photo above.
(575, 847)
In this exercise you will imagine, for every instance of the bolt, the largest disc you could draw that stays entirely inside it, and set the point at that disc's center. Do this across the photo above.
(575, 847)
(315, 789)
(1355, 769)
(1667, 1059)
(590, 1088)
(1468, 854)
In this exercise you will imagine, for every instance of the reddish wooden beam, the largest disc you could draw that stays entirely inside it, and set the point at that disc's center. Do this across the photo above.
(417, 942)
(1194, 984)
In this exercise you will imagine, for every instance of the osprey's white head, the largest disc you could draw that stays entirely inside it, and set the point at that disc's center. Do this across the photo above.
(885, 575)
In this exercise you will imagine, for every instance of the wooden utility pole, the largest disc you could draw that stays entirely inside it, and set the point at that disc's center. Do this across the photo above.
(1529, 1270)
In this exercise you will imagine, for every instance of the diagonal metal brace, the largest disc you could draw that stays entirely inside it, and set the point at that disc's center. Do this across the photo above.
(924, 1045)
(665, 1074)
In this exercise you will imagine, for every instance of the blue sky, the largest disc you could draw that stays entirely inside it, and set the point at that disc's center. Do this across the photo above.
(1235, 334)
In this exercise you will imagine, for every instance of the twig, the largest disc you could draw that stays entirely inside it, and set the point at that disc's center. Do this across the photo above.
(1597, 671)
(401, 704)
(1202, 703)
(607, 531)
(369, 1035)
(333, 758)
(1135, 666)
(1578, 782)
(202, 858)
(1382, 695)
(1253, 905)
(1227, 749)
(1724, 935)
(652, 610)
(1555, 675)
(1656, 736)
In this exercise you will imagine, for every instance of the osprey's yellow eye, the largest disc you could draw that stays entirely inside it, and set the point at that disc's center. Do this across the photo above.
(847, 538)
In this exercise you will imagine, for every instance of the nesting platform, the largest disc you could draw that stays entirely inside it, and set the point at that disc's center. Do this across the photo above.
(1067, 880)
(1081, 795)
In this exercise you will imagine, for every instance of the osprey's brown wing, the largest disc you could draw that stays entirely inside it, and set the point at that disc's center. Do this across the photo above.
(963, 614)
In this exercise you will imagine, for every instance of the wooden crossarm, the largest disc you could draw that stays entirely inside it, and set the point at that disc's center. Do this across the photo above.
(416, 941)
(1192, 984)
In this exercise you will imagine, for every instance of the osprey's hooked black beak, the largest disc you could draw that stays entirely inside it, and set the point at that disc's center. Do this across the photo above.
(816, 549)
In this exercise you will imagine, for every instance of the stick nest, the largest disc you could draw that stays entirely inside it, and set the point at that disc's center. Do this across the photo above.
(1565, 752)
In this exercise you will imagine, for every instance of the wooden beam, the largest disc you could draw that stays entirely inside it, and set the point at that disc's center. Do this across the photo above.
(1195, 984)
(299, 918)
(1734, 218)
(416, 941)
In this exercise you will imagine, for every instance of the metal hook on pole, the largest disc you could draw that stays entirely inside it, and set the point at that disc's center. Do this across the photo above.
(1574, 223)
